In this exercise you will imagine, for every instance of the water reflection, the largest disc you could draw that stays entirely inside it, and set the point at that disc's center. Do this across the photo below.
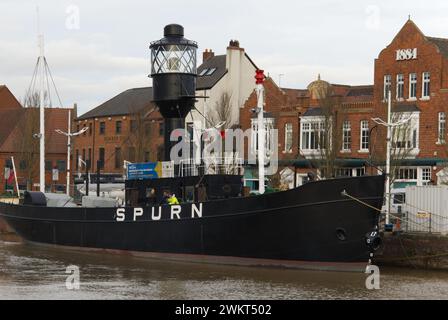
(34, 272)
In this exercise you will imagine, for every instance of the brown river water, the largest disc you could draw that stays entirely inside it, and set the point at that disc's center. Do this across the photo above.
(34, 272)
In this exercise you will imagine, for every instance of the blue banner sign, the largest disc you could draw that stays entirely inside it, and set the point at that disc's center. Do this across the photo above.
(143, 171)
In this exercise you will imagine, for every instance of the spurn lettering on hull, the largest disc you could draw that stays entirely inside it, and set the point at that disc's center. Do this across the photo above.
(156, 212)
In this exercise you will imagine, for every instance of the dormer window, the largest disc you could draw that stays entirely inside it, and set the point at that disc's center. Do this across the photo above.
(207, 72)
(210, 71)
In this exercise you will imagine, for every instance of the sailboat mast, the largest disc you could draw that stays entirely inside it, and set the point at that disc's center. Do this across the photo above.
(42, 115)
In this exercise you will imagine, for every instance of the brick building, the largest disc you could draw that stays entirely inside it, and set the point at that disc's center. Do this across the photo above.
(126, 127)
(17, 126)
(298, 114)
(415, 68)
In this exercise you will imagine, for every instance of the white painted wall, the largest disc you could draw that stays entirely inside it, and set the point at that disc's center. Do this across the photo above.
(239, 83)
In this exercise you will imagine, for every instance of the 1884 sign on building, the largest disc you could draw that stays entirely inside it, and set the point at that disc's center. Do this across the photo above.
(406, 54)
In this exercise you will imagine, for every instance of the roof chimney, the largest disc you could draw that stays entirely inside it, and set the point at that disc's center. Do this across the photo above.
(207, 54)
(234, 44)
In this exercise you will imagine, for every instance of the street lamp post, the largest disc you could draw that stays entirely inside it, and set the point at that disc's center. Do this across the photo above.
(389, 125)
(70, 134)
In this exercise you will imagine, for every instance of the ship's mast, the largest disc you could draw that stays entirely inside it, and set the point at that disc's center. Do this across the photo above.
(261, 134)
(41, 63)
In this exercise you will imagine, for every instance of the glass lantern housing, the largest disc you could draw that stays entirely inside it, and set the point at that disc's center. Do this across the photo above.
(173, 58)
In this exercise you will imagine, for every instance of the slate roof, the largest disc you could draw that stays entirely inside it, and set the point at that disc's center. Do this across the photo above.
(356, 91)
(207, 82)
(127, 102)
(441, 43)
(313, 112)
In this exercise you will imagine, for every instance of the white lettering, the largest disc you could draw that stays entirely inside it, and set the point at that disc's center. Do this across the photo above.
(153, 215)
(175, 211)
(138, 212)
(195, 210)
(406, 54)
(120, 214)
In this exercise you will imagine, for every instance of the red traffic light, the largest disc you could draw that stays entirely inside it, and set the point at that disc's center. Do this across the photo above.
(259, 76)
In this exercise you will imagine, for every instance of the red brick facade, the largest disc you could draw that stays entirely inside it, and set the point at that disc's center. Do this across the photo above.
(13, 136)
(119, 142)
(417, 54)
(432, 57)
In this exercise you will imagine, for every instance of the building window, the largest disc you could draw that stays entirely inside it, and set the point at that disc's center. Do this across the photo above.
(90, 129)
(117, 127)
(343, 172)
(84, 154)
(364, 135)
(413, 86)
(61, 165)
(346, 136)
(288, 137)
(77, 159)
(118, 158)
(405, 136)
(387, 86)
(161, 129)
(426, 85)
(48, 165)
(360, 172)
(133, 125)
(406, 174)
(102, 156)
(426, 176)
(102, 127)
(22, 165)
(147, 157)
(268, 127)
(442, 132)
(314, 135)
(400, 86)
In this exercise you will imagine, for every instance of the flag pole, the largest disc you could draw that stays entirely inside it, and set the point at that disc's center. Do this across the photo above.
(15, 176)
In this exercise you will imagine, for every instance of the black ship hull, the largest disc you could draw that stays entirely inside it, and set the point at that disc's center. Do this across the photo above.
(314, 225)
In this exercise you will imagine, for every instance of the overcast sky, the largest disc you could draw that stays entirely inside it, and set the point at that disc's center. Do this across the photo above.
(96, 49)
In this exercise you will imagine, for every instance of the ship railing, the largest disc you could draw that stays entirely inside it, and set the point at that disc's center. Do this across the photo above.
(211, 166)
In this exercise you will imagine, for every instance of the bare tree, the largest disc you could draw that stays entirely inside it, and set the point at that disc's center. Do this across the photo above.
(222, 112)
(141, 136)
(327, 133)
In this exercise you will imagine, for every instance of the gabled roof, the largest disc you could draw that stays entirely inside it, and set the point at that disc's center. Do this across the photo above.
(440, 43)
(207, 82)
(7, 99)
(127, 102)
